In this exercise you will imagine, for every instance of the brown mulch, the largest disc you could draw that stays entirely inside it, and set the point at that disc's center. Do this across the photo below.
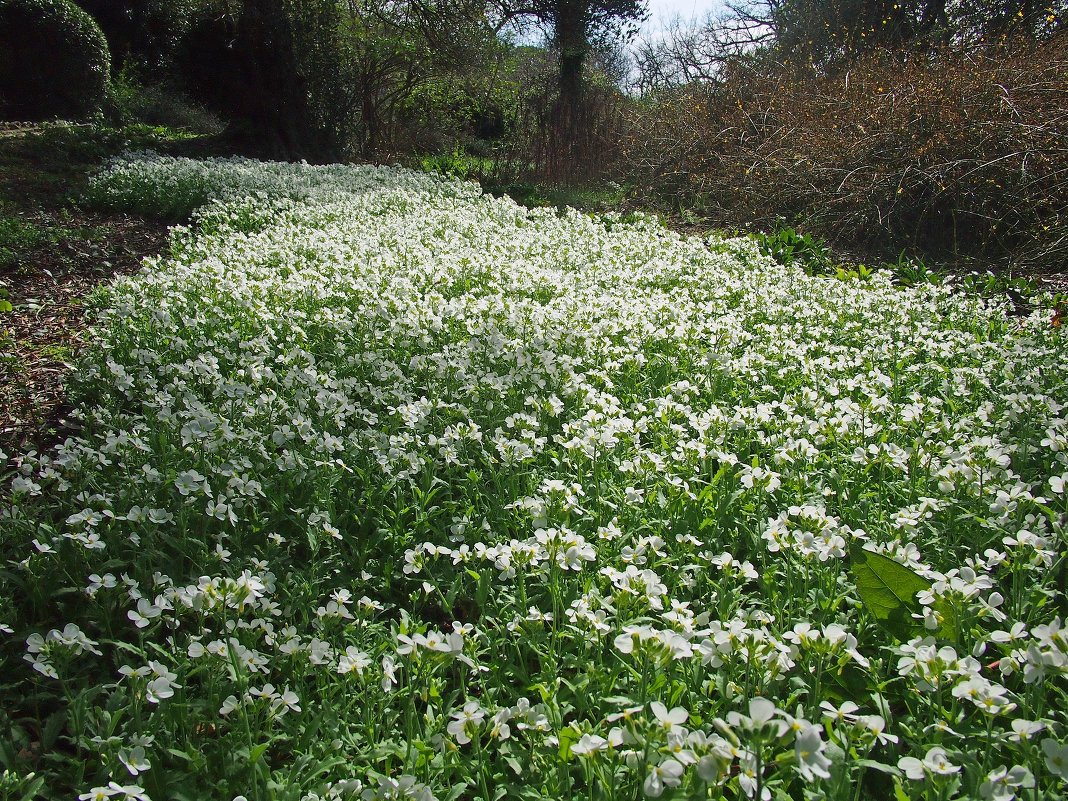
(47, 283)
(46, 329)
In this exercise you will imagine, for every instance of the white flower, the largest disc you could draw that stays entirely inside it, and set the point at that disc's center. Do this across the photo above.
(466, 722)
(589, 744)
(145, 613)
(808, 748)
(499, 728)
(838, 714)
(762, 716)
(287, 701)
(389, 674)
(99, 794)
(1056, 757)
(229, 704)
(134, 760)
(129, 792)
(667, 774)
(1024, 730)
(353, 661)
(1002, 783)
(934, 763)
(159, 689)
(668, 719)
(876, 726)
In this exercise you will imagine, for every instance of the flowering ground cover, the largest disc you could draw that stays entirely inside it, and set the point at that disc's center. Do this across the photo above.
(388, 489)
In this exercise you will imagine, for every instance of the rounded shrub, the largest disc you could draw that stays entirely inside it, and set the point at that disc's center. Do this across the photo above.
(54, 60)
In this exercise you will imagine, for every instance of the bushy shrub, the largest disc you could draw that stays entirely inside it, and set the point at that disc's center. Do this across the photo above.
(54, 61)
(963, 153)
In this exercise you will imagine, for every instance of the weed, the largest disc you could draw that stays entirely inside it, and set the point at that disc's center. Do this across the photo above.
(456, 164)
(17, 238)
(790, 247)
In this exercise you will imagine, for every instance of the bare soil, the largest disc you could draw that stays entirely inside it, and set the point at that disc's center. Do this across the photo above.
(47, 279)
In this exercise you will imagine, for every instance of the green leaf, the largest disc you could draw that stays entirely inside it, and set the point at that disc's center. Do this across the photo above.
(568, 737)
(888, 590)
(32, 788)
(948, 629)
(180, 754)
(874, 764)
(257, 752)
(52, 729)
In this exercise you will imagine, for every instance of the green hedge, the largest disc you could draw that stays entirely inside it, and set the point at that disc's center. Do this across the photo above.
(54, 60)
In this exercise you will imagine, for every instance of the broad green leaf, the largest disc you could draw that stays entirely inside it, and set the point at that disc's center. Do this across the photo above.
(568, 737)
(887, 589)
(53, 728)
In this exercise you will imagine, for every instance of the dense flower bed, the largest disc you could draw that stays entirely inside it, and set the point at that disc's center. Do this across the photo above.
(388, 489)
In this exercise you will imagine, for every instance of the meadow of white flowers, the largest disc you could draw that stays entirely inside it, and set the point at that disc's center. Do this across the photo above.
(387, 489)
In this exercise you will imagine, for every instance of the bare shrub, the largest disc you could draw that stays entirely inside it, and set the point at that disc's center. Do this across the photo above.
(966, 153)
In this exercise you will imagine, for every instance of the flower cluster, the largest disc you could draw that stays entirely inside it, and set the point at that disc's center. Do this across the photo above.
(383, 488)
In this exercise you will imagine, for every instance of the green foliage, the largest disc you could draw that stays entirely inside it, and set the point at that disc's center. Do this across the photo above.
(992, 284)
(456, 164)
(20, 787)
(790, 247)
(78, 143)
(888, 590)
(54, 60)
(7, 359)
(159, 105)
(854, 272)
(376, 77)
(144, 34)
(90, 144)
(16, 238)
(606, 197)
(910, 271)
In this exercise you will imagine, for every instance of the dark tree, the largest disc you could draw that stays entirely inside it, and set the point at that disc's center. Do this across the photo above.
(143, 33)
(576, 29)
(576, 26)
(241, 59)
(276, 99)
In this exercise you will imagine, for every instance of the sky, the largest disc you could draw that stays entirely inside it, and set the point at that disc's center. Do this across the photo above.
(663, 11)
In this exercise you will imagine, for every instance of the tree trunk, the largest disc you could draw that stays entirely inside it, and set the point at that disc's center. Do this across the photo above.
(572, 39)
(369, 117)
(567, 121)
(277, 102)
(934, 24)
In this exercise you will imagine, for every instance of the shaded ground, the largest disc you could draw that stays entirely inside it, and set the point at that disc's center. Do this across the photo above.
(53, 253)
